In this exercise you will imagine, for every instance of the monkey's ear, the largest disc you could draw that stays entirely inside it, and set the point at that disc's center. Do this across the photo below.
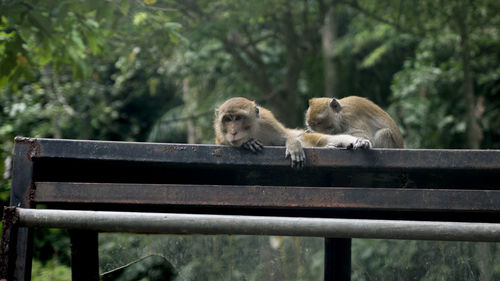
(310, 102)
(335, 105)
(256, 109)
(216, 111)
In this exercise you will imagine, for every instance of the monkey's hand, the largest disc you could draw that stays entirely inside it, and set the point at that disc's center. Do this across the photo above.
(253, 145)
(347, 141)
(295, 152)
(360, 143)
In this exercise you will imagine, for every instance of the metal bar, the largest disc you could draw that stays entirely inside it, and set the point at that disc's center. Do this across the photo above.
(270, 157)
(337, 259)
(22, 187)
(255, 225)
(84, 255)
(10, 229)
(269, 196)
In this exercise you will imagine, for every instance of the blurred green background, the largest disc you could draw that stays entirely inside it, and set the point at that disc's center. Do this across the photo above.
(155, 70)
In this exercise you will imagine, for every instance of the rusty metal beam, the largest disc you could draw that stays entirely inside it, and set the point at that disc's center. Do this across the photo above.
(25, 151)
(394, 199)
(10, 227)
(271, 156)
(258, 225)
(393, 183)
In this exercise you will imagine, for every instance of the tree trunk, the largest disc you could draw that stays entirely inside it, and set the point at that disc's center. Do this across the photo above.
(474, 136)
(328, 40)
(474, 131)
(51, 84)
(189, 98)
(484, 259)
(286, 100)
(270, 261)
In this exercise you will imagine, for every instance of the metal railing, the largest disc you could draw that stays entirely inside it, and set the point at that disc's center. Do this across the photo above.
(178, 188)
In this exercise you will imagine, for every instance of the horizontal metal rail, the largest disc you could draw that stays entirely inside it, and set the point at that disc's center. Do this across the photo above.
(400, 199)
(257, 225)
(449, 159)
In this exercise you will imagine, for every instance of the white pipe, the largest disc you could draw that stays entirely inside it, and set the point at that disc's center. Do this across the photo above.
(258, 225)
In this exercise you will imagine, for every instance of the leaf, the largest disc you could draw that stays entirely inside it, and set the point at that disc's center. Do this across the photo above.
(173, 25)
(374, 56)
(176, 37)
(149, 2)
(77, 39)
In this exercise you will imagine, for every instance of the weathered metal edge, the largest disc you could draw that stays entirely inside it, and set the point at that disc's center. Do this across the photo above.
(271, 156)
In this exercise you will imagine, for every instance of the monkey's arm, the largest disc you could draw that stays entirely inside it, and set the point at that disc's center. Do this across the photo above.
(295, 152)
(341, 140)
(293, 146)
(274, 133)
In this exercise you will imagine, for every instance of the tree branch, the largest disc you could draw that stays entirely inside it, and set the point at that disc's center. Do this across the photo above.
(188, 117)
(156, 8)
(376, 17)
(134, 262)
(258, 76)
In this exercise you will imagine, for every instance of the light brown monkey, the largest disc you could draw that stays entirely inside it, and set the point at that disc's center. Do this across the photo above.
(240, 122)
(354, 116)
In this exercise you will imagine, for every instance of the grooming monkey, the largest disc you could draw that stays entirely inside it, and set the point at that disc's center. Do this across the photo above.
(355, 116)
(240, 122)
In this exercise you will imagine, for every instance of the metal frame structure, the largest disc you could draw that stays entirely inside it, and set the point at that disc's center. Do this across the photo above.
(429, 194)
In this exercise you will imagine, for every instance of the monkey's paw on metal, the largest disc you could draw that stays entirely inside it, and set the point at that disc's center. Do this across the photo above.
(361, 143)
(253, 145)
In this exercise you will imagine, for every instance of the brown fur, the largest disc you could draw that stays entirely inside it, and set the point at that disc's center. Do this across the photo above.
(240, 122)
(356, 116)
(258, 123)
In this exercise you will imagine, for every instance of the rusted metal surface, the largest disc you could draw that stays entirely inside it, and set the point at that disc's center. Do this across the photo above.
(34, 147)
(25, 151)
(395, 199)
(447, 185)
(94, 161)
(8, 244)
(271, 156)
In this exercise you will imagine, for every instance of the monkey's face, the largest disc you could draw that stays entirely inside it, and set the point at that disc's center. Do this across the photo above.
(236, 127)
(321, 115)
(236, 119)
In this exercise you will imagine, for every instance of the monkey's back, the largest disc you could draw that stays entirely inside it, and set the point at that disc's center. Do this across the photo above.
(366, 115)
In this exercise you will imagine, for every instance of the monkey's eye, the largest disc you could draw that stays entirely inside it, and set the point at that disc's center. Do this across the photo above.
(238, 117)
(226, 119)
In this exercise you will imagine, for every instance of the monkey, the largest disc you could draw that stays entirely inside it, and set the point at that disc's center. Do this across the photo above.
(354, 116)
(240, 122)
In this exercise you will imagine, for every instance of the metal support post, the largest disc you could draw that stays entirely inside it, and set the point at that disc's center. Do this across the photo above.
(10, 229)
(22, 187)
(84, 255)
(337, 259)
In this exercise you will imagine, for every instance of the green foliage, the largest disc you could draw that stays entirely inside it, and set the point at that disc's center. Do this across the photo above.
(417, 260)
(155, 70)
(51, 271)
(369, 55)
(426, 94)
(219, 257)
(38, 33)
